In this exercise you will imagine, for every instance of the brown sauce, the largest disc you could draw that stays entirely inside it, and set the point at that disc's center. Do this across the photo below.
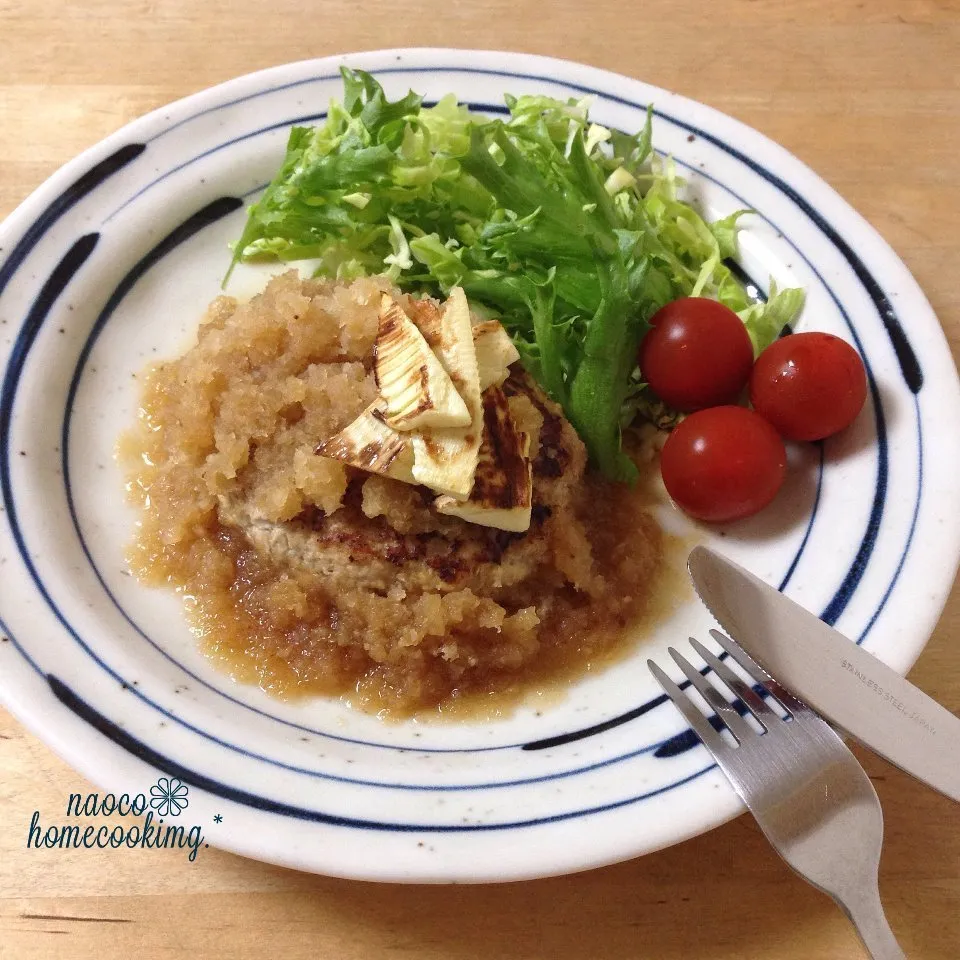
(457, 618)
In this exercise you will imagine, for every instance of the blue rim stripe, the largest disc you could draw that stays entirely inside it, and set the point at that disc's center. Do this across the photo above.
(788, 576)
(55, 284)
(57, 207)
(206, 153)
(913, 525)
(160, 762)
(57, 684)
(851, 581)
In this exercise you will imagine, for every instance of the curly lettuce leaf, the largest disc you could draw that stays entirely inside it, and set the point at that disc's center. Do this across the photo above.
(572, 232)
(766, 321)
(341, 182)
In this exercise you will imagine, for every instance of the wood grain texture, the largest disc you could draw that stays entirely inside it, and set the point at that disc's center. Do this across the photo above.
(869, 95)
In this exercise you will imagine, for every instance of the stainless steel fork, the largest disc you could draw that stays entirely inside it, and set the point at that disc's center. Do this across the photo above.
(812, 799)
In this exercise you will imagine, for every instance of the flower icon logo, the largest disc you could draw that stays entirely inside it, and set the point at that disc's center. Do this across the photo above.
(169, 797)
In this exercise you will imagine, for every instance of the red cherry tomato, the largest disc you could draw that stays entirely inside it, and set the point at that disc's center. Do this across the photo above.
(723, 464)
(697, 355)
(808, 385)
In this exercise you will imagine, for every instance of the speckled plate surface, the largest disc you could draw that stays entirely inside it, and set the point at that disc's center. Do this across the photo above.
(112, 261)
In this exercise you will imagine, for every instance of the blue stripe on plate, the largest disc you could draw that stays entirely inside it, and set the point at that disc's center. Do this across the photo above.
(913, 525)
(206, 153)
(160, 762)
(57, 207)
(788, 576)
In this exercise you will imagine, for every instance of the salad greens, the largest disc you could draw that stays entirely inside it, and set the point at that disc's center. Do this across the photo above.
(571, 232)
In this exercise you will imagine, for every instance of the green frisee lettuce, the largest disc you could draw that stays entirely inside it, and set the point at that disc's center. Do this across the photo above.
(572, 233)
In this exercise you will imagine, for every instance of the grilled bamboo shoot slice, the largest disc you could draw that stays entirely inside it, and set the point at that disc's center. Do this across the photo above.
(417, 390)
(502, 494)
(495, 353)
(370, 443)
(445, 459)
(494, 348)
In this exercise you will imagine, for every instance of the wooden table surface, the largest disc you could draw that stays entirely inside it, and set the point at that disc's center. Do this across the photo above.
(868, 94)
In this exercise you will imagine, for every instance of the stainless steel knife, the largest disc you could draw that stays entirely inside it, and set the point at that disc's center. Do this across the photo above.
(841, 681)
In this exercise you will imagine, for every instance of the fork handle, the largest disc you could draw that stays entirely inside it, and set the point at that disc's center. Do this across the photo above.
(866, 912)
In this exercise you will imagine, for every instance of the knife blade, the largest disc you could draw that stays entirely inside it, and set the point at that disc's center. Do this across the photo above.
(840, 680)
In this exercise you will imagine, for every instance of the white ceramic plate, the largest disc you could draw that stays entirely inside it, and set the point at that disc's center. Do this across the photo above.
(111, 262)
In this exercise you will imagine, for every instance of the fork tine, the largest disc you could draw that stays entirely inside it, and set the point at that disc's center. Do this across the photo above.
(701, 726)
(789, 702)
(740, 689)
(735, 723)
